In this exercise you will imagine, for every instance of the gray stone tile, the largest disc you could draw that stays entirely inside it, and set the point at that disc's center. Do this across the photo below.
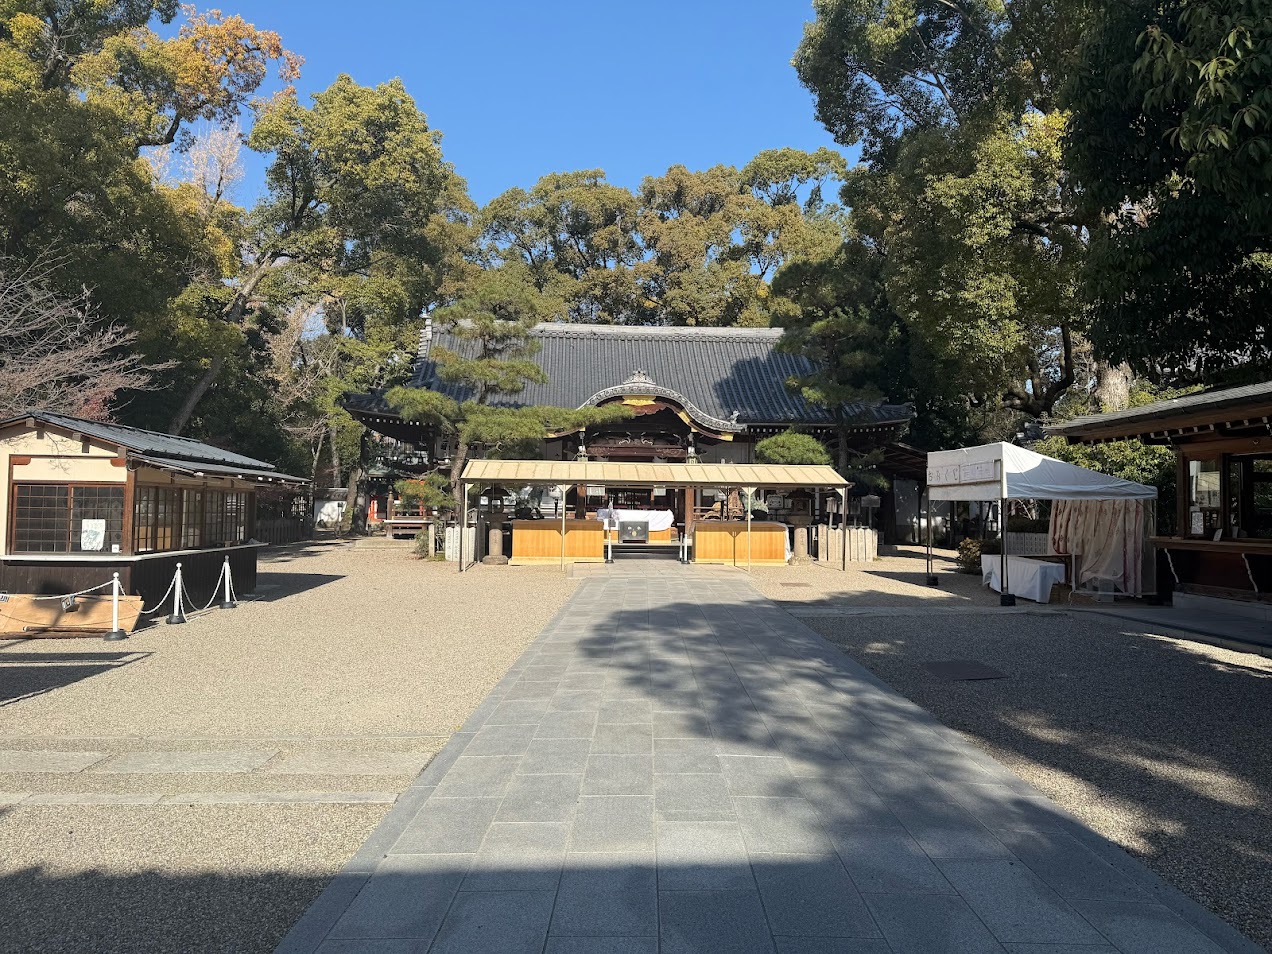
(681, 725)
(350, 763)
(602, 945)
(518, 857)
(1145, 928)
(1060, 949)
(406, 897)
(720, 922)
(555, 757)
(930, 924)
(85, 798)
(533, 690)
(625, 712)
(624, 739)
(619, 775)
(279, 798)
(607, 895)
(540, 798)
(567, 725)
(577, 700)
(448, 826)
(19, 760)
(959, 842)
(811, 895)
(175, 763)
(702, 856)
(510, 922)
(373, 946)
(1000, 806)
(518, 711)
(501, 740)
(692, 797)
(757, 775)
(888, 861)
(1072, 869)
(831, 945)
(475, 776)
(575, 681)
(1016, 905)
(685, 756)
(781, 825)
(614, 824)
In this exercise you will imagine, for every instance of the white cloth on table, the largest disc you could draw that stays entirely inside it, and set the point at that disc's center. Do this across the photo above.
(657, 519)
(1031, 579)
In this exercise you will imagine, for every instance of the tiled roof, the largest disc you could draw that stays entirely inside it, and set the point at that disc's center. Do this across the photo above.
(1153, 417)
(721, 372)
(147, 442)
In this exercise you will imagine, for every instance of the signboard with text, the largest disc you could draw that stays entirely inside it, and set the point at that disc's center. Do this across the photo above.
(980, 472)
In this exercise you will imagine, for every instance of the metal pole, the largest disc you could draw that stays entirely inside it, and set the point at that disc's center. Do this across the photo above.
(1004, 596)
(115, 633)
(843, 526)
(178, 616)
(927, 509)
(228, 601)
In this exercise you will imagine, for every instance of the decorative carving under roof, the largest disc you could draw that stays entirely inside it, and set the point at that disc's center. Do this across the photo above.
(641, 383)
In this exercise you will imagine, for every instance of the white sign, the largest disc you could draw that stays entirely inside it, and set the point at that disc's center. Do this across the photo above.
(981, 472)
(92, 534)
(594, 490)
(659, 492)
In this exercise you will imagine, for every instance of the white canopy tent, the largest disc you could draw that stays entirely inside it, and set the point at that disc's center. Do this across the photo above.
(1005, 472)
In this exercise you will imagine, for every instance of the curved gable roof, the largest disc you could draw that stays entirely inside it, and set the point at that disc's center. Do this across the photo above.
(730, 374)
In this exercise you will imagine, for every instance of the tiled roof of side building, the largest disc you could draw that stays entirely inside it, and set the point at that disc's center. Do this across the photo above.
(147, 442)
(720, 371)
(1157, 413)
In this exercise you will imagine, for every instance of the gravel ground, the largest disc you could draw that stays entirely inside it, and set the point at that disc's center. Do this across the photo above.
(1159, 744)
(891, 581)
(345, 649)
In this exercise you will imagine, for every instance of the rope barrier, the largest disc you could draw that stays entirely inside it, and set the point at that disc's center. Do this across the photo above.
(67, 596)
(226, 576)
(158, 606)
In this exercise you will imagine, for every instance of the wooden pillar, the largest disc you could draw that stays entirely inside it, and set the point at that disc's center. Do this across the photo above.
(580, 501)
(130, 511)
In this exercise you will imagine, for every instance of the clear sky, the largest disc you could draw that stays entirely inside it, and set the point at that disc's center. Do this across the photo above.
(520, 89)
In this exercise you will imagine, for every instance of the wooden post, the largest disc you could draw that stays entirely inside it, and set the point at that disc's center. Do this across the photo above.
(843, 525)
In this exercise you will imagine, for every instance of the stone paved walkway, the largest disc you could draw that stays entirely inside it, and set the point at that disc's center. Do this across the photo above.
(678, 765)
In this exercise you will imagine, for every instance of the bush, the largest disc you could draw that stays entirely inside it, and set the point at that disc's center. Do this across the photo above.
(422, 543)
(969, 554)
(791, 447)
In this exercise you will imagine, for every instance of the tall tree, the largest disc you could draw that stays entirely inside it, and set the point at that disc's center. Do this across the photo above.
(963, 195)
(362, 216)
(1171, 145)
(494, 319)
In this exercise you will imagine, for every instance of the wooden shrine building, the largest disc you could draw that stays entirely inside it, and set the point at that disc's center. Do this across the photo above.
(697, 395)
(1221, 545)
(85, 499)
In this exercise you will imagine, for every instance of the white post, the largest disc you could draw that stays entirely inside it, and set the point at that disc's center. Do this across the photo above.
(843, 526)
(563, 488)
(228, 601)
(178, 616)
(750, 499)
(115, 632)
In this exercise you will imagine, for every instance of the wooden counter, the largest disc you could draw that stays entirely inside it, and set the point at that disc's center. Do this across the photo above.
(717, 541)
(539, 541)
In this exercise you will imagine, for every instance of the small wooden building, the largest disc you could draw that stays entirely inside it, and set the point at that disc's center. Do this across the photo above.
(1222, 544)
(85, 499)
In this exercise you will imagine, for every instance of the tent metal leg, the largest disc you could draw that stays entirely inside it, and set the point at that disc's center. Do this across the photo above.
(1004, 592)
(927, 509)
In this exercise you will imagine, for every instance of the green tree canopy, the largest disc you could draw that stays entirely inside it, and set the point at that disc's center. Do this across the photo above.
(791, 447)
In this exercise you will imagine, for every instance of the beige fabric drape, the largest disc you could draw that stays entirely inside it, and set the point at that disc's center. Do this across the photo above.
(1107, 535)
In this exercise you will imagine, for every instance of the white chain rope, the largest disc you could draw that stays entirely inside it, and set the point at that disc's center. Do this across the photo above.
(65, 596)
(215, 591)
(163, 599)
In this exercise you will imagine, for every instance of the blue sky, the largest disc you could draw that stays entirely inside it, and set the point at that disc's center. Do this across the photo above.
(520, 89)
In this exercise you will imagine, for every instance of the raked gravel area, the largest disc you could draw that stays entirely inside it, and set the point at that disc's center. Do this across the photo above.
(1159, 744)
(193, 788)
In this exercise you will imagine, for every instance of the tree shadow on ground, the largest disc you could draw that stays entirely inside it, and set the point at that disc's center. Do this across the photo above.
(24, 675)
